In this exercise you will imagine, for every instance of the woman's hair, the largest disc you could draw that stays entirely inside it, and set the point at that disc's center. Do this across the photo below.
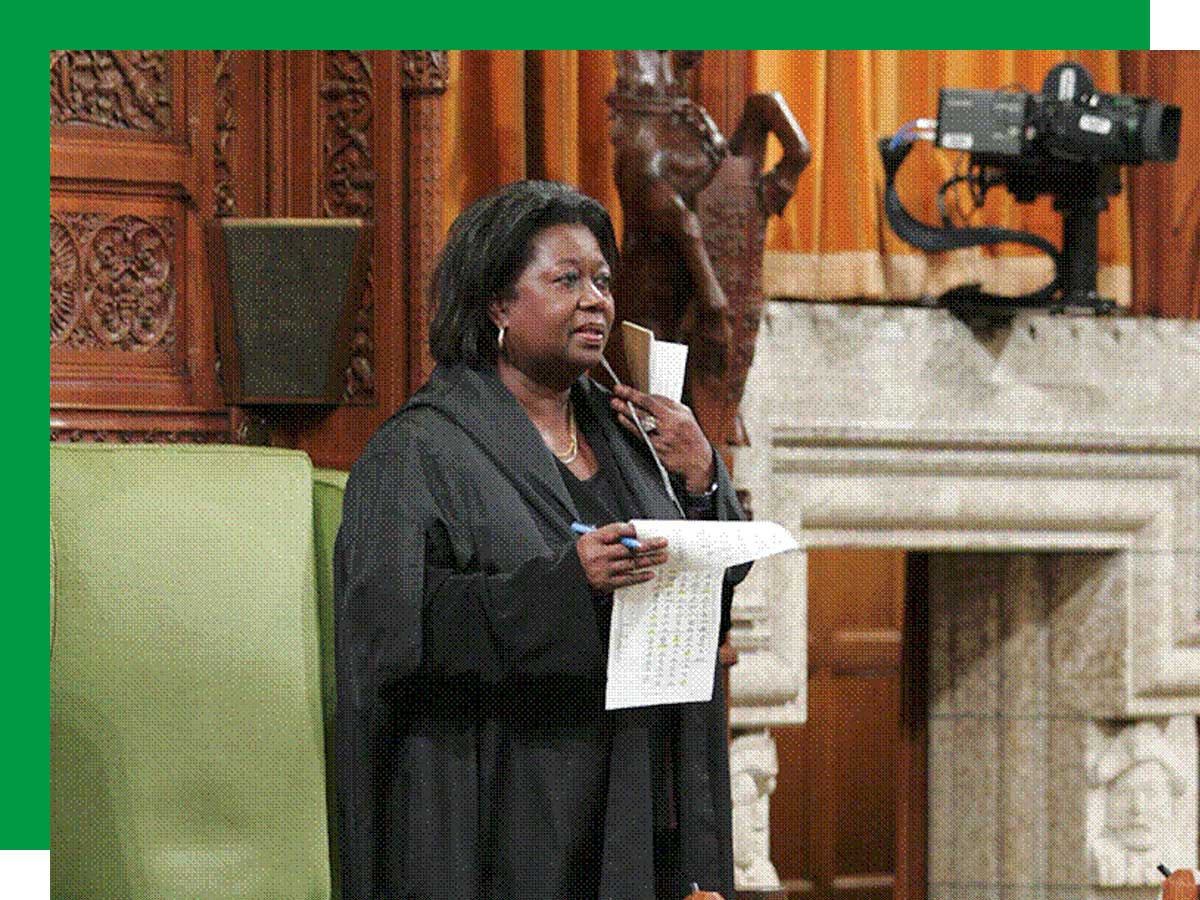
(487, 249)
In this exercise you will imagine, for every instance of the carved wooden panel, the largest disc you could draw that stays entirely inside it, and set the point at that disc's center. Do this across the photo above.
(362, 136)
(115, 296)
(112, 282)
(349, 175)
(425, 80)
(117, 89)
(240, 106)
(225, 123)
(115, 427)
(347, 90)
(249, 133)
(130, 311)
(153, 436)
(425, 71)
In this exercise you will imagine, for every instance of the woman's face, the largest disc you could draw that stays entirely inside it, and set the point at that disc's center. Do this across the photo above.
(561, 311)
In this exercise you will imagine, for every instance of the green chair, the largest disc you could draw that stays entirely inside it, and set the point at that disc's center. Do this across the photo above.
(191, 682)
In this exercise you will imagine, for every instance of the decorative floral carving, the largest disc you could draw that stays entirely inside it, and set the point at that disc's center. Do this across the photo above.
(349, 174)
(65, 273)
(425, 71)
(348, 165)
(224, 202)
(130, 436)
(125, 89)
(111, 281)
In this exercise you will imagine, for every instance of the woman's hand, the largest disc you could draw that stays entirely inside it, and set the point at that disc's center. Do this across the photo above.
(676, 435)
(609, 564)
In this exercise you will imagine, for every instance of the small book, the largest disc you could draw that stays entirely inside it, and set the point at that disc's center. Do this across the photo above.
(654, 366)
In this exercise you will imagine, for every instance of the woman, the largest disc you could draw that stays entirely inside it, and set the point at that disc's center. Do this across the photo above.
(475, 757)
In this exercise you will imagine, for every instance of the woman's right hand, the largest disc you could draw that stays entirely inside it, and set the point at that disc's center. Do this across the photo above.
(609, 564)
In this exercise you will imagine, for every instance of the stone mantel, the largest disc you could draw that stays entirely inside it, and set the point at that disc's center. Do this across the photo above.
(1055, 437)
(915, 375)
(878, 426)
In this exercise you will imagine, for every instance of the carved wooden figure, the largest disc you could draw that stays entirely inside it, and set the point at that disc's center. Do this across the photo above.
(733, 210)
(667, 149)
(696, 211)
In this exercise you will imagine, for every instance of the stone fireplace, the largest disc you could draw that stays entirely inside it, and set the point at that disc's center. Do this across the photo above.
(1051, 468)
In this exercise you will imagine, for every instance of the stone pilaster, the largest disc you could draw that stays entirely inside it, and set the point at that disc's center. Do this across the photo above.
(1038, 790)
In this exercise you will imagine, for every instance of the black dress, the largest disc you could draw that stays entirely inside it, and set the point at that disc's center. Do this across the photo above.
(475, 760)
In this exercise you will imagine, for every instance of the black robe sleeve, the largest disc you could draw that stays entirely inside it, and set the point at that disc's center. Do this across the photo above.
(493, 625)
(409, 609)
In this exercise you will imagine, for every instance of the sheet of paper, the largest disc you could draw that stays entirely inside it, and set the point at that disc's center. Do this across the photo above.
(653, 366)
(662, 644)
(637, 342)
(668, 364)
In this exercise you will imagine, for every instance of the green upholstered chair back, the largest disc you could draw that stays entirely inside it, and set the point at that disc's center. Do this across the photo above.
(187, 738)
(329, 486)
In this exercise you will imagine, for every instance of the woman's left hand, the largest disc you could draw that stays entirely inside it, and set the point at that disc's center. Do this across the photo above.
(676, 434)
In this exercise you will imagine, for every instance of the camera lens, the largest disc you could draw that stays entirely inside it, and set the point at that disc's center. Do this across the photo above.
(1160, 132)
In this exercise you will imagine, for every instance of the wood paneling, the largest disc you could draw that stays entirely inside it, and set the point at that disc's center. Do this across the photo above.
(1165, 197)
(130, 160)
(368, 145)
(148, 146)
(834, 811)
(240, 133)
(912, 786)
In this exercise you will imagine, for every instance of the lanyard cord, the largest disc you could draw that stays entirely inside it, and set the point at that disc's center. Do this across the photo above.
(662, 470)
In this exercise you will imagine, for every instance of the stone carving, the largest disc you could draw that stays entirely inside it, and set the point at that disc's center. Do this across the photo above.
(349, 176)
(762, 676)
(696, 205)
(858, 442)
(224, 202)
(1142, 785)
(425, 71)
(125, 89)
(111, 281)
(769, 617)
(753, 766)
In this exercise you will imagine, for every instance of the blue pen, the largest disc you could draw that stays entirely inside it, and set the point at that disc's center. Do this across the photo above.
(580, 528)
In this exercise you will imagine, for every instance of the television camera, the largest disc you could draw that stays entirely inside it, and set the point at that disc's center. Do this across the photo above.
(1068, 142)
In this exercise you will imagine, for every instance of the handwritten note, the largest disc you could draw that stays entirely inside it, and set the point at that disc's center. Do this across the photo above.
(663, 640)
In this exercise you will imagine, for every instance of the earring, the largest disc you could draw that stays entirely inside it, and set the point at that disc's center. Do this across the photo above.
(500, 338)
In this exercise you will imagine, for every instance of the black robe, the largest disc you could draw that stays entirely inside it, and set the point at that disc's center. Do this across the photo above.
(474, 757)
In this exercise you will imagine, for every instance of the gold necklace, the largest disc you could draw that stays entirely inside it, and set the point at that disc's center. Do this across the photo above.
(573, 450)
